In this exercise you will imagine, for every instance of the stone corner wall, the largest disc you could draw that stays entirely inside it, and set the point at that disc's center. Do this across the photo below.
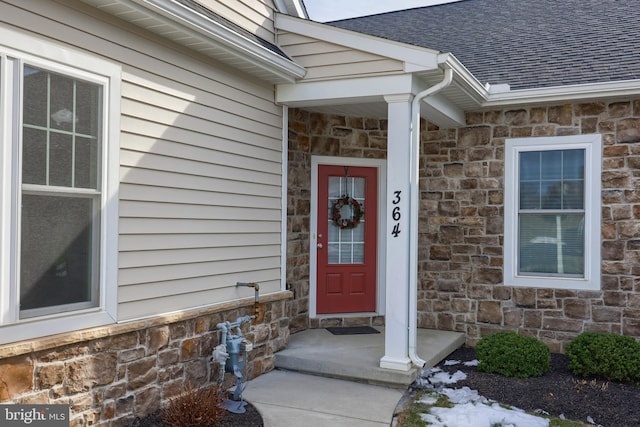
(109, 381)
(326, 135)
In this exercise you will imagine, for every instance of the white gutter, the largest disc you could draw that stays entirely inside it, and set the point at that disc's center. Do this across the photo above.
(415, 208)
(621, 88)
(498, 96)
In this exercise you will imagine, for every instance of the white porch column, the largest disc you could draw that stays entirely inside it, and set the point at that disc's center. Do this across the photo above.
(396, 344)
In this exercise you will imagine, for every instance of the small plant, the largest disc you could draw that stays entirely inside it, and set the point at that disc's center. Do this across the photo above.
(513, 355)
(194, 408)
(581, 385)
(609, 356)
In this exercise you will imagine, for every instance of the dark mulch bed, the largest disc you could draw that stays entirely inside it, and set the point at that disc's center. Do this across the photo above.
(251, 418)
(556, 392)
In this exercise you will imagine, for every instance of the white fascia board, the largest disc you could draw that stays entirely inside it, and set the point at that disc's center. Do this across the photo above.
(463, 78)
(343, 91)
(623, 88)
(484, 98)
(426, 59)
(481, 94)
(211, 30)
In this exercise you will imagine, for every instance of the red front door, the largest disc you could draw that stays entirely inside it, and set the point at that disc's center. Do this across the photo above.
(346, 262)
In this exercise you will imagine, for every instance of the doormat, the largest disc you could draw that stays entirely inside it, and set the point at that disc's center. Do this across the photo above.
(352, 330)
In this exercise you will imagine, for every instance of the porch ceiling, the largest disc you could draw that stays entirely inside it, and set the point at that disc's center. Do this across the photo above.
(376, 107)
(366, 97)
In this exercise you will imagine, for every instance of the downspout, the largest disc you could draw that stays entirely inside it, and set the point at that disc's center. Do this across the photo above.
(414, 210)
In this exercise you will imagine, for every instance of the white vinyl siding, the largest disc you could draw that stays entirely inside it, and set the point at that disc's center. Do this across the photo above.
(552, 212)
(255, 16)
(200, 166)
(322, 59)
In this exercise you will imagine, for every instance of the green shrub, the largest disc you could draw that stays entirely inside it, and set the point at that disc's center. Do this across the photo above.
(513, 355)
(609, 356)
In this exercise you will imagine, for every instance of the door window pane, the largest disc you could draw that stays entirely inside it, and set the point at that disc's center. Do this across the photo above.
(346, 245)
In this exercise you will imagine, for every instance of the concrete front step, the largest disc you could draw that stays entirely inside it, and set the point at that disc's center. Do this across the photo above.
(357, 357)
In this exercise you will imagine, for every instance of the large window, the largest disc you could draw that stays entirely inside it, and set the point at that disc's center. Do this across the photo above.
(60, 192)
(552, 212)
(59, 183)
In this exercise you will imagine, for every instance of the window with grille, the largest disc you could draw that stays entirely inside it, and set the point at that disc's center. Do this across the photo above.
(552, 211)
(60, 192)
(58, 188)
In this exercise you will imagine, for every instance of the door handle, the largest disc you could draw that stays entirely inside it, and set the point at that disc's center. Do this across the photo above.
(320, 246)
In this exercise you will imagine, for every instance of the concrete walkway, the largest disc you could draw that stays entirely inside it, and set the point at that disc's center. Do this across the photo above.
(291, 399)
(326, 380)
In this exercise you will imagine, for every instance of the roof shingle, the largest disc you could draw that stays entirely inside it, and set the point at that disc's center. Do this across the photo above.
(525, 43)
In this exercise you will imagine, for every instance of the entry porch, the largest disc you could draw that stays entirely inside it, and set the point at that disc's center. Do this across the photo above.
(357, 357)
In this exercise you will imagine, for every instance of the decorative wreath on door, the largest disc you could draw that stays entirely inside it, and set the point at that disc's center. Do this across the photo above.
(356, 212)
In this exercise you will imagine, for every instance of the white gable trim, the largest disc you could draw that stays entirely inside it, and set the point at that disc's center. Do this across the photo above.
(416, 57)
(293, 8)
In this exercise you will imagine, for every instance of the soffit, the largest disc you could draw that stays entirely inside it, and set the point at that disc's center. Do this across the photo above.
(191, 25)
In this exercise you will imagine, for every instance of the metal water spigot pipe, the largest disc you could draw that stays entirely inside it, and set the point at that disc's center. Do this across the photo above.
(258, 309)
(253, 285)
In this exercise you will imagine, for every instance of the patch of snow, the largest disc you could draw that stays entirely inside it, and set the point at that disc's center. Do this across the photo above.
(427, 372)
(590, 420)
(447, 378)
(428, 399)
(473, 410)
(451, 362)
(473, 362)
(463, 395)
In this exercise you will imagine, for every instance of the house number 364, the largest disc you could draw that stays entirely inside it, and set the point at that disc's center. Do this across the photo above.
(395, 213)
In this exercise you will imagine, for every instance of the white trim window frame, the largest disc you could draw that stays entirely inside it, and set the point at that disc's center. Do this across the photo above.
(71, 182)
(565, 251)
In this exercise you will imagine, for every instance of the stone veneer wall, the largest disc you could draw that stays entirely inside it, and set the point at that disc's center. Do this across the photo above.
(461, 223)
(112, 374)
